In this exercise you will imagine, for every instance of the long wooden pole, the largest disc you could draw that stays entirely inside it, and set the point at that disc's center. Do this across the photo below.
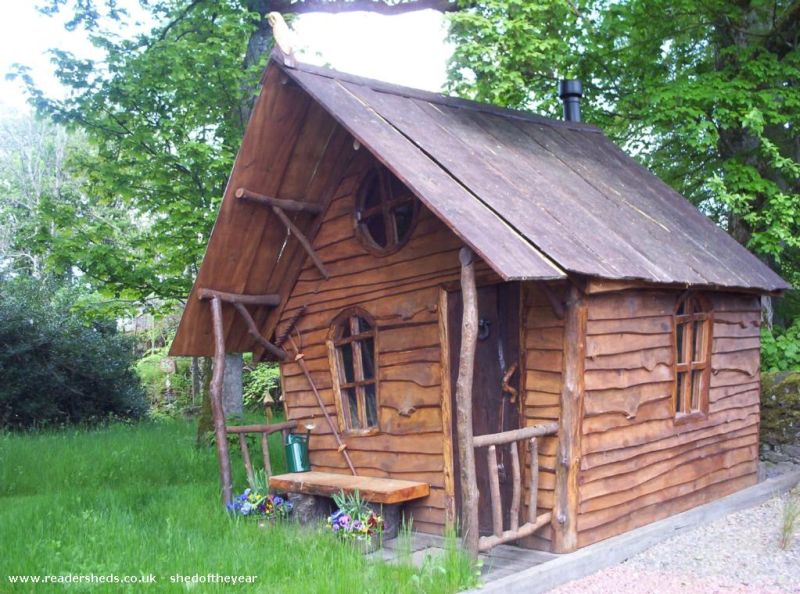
(466, 367)
(252, 329)
(285, 204)
(303, 242)
(565, 512)
(221, 436)
(270, 299)
(342, 446)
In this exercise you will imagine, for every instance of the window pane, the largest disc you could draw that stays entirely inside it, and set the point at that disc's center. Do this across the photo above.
(397, 188)
(698, 353)
(368, 358)
(372, 405)
(680, 340)
(698, 385)
(347, 362)
(363, 325)
(681, 307)
(349, 396)
(403, 217)
(376, 229)
(679, 392)
(372, 194)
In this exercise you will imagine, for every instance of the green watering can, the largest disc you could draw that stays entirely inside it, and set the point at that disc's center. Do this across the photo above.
(297, 452)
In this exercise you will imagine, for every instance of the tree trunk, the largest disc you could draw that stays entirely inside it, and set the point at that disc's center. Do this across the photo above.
(205, 424)
(196, 379)
(259, 44)
(232, 387)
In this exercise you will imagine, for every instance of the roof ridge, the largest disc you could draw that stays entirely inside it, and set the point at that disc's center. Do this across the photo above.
(430, 96)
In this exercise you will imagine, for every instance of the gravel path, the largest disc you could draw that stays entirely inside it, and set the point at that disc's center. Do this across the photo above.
(738, 554)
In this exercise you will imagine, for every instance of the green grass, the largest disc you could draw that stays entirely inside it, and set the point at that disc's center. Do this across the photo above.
(140, 499)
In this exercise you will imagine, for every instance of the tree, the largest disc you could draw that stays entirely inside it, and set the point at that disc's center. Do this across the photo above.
(705, 94)
(36, 183)
(166, 111)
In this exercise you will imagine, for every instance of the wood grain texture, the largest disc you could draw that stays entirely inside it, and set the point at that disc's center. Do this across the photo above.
(637, 464)
(565, 514)
(404, 302)
(377, 490)
(542, 370)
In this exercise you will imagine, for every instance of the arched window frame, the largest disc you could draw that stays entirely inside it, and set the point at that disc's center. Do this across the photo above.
(347, 323)
(692, 360)
(393, 194)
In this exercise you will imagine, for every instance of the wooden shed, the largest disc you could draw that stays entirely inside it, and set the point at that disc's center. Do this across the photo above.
(614, 330)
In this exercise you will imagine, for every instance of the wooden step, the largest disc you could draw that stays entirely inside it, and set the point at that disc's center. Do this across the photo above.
(373, 489)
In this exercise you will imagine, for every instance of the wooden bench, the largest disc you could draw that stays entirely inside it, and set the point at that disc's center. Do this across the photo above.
(375, 490)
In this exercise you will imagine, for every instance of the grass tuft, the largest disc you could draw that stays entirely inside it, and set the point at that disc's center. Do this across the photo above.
(790, 521)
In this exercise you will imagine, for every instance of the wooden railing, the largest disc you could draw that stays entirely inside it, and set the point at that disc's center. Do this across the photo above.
(265, 431)
(512, 439)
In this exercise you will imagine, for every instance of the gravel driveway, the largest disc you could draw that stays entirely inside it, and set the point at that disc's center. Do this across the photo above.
(736, 554)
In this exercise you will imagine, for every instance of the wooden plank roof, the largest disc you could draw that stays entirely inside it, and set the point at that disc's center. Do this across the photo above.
(536, 198)
(563, 187)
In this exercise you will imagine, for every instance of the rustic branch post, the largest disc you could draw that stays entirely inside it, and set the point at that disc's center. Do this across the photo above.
(220, 434)
(466, 367)
(565, 516)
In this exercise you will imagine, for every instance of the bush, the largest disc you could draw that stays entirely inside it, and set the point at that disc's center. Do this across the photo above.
(57, 366)
(780, 348)
(261, 379)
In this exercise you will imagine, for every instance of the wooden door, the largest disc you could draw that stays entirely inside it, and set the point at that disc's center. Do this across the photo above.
(498, 349)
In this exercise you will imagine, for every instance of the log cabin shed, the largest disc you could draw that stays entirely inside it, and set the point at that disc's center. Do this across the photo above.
(609, 375)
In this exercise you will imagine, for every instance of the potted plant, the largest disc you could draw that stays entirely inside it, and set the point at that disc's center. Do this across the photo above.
(355, 522)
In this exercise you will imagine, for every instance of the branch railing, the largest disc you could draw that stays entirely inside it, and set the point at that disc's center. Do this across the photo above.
(512, 439)
(265, 431)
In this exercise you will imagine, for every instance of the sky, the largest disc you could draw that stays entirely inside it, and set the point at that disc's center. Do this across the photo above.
(407, 49)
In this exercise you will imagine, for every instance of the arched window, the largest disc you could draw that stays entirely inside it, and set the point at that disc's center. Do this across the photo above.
(385, 212)
(693, 324)
(351, 348)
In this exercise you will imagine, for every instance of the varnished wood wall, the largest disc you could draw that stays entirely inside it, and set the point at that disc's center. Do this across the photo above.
(543, 345)
(401, 291)
(637, 465)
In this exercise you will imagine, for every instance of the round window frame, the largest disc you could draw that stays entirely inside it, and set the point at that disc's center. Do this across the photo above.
(362, 232)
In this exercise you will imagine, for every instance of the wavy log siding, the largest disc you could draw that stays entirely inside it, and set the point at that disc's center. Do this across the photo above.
(637, 465)
(543, 341)
(401, 292)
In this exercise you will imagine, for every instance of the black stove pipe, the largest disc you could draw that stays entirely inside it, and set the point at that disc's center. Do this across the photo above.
(570, 92)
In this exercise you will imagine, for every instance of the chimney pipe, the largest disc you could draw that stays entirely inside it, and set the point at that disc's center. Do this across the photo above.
(570, 92)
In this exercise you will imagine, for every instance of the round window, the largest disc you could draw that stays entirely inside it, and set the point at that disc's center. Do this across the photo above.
(385, 212)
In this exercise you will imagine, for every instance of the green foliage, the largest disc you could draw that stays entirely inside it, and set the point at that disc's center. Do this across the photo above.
(138, 499)
(705, 94)
(164, 112)
(260, 381)
(56, 366)
(780, 348)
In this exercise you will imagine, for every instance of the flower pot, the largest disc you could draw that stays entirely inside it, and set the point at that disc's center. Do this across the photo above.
(366, 545)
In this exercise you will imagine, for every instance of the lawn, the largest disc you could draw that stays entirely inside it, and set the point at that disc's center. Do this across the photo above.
(140, 499)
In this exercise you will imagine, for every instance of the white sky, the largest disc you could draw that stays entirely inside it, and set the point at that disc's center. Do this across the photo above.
(405, 49)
